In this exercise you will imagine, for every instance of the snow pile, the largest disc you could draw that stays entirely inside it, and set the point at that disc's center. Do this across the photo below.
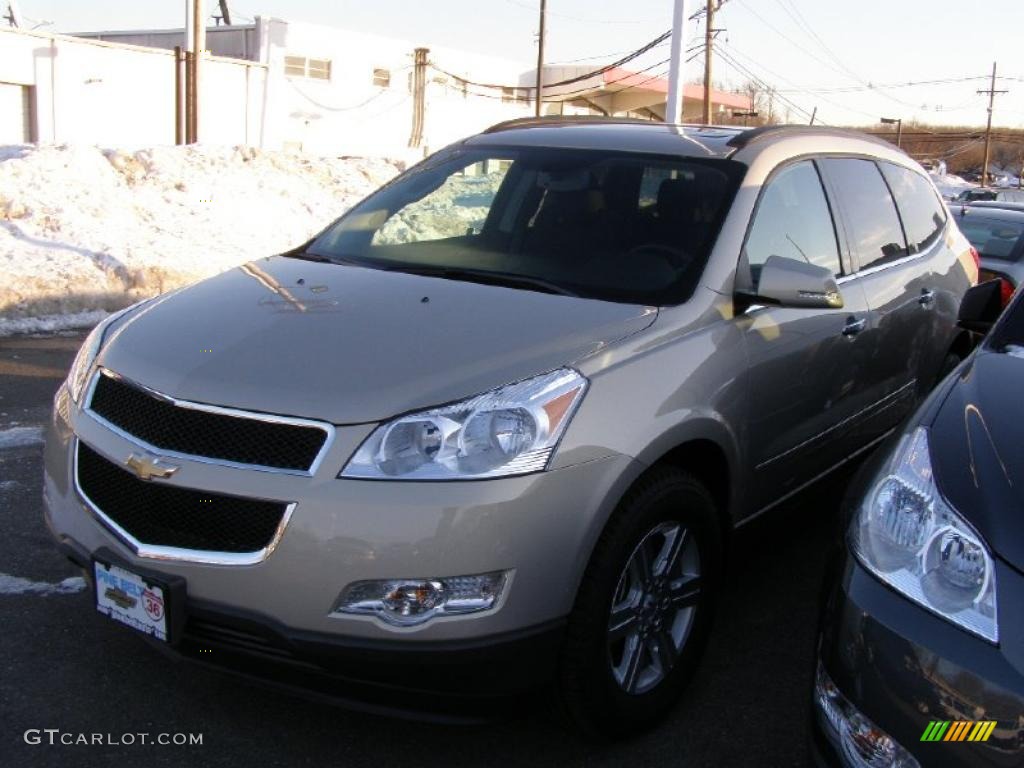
(459, 206)
(84, 231)
(950, 185)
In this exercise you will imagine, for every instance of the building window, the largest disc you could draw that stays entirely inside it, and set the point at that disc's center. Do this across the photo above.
(382, 78)
(301, 66)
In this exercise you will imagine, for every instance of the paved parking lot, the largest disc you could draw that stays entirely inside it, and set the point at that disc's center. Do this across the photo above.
(66, 668)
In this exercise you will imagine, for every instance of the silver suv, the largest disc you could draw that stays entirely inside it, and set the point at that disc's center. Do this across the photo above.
(492, 429)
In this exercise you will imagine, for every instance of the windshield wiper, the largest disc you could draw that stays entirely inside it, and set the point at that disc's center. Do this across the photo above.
(306, 255)
(484, 276)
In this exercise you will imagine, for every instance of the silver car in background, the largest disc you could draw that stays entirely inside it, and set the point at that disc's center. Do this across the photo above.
(491, 431)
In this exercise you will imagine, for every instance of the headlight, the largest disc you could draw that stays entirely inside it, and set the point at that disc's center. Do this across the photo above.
(512, 430)
(82, 364)
(910, 538)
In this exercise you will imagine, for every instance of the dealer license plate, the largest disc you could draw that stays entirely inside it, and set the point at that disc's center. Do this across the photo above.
(131, 599)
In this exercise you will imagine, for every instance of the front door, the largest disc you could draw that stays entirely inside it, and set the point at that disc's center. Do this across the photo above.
(803, 364)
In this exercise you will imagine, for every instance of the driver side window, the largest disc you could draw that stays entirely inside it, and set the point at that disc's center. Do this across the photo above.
(793, 220)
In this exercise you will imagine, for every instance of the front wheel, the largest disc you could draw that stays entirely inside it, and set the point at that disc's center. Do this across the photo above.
(644, 607)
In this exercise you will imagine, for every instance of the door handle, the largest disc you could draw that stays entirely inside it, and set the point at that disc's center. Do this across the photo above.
(854, 326)
(927, 297)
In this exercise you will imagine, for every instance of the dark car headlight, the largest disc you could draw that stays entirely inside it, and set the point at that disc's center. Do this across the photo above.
(908, 536)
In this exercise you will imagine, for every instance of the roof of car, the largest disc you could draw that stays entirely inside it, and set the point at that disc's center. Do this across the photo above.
(629, 134)
(992, 205)
(992, 212)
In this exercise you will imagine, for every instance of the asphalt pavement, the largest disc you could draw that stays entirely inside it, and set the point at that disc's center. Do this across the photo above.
(67, 668)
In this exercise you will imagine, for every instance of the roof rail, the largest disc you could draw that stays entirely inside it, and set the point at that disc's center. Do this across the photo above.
(756, 134)
(526, 122)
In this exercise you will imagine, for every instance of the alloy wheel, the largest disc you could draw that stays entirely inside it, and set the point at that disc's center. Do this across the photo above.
(653, 607)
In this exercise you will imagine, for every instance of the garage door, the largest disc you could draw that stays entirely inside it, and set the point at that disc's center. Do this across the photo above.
(15, 114)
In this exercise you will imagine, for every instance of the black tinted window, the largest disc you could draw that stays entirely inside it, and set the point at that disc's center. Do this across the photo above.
(876, 236)
(993, 238)
(923, 215)
(793, 221)
(609, 225)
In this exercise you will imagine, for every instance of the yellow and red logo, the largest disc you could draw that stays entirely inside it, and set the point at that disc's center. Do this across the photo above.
(958, 730)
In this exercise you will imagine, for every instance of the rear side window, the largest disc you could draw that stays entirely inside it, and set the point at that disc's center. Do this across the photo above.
(994, 239)
(793, 221)
(923, 215)
(876, 236)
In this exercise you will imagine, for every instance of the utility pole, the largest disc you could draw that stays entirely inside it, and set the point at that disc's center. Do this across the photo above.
(419, 90)
(225, 12)
(13, 14)
(709, 42)
(677, 54)
(538, 94)
(814, 114)
(198, 44)
(988, 128)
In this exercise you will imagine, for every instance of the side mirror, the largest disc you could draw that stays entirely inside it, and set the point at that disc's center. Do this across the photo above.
(981, 307)
(791, 283)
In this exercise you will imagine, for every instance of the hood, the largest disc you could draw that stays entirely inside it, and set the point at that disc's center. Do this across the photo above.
(978, 454)
(351, 344)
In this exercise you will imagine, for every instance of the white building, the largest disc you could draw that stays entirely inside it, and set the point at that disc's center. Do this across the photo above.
(281, 84)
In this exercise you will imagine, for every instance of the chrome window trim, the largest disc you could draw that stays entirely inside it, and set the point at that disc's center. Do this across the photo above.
(889, 264)
(158, 552)
(327, 428)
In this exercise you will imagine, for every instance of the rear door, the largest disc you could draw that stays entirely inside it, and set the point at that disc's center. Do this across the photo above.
(899, 281)
(802, 363)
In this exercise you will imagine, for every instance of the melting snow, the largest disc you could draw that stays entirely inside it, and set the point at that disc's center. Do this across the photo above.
(85, 230)
(18, 437)
(15, 585)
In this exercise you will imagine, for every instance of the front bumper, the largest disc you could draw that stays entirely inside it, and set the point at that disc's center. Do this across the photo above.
(273, 619)
(902, 668)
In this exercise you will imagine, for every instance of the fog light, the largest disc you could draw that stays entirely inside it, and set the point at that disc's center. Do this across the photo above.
(859, 742)
(406, 602)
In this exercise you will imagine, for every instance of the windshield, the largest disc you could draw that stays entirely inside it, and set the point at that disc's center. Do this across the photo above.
(608, 225)
(994, 238)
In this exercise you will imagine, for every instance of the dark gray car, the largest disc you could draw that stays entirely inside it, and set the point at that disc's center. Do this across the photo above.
(492, 429)
(921, 655)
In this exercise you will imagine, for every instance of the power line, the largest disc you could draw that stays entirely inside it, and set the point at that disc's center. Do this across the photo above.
(745, 71)
(751, 62)
(635, 54)
(533, 9)
(875, 86)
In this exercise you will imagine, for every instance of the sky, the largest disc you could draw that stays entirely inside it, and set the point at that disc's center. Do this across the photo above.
(854, 61)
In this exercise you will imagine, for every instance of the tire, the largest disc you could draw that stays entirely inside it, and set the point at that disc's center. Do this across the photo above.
(604, 695)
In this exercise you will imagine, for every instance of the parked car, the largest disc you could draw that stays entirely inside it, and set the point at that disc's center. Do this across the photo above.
(990, 193)
(998, 235)
(922, 645)
(491, 429)
(1004, 205)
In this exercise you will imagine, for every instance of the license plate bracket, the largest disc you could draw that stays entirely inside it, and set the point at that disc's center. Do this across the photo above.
(151, 603)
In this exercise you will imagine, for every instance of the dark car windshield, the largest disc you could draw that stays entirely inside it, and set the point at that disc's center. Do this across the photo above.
(616, 226)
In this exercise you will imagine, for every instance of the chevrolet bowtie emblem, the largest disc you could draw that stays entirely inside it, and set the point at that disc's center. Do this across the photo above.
(147, 467)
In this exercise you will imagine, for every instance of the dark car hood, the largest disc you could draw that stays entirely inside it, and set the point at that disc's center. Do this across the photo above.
(351, 344)
(977, 448)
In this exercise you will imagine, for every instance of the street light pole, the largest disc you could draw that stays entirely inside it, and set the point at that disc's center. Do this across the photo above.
(674, 103)
(540, 56)
(898, 122)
